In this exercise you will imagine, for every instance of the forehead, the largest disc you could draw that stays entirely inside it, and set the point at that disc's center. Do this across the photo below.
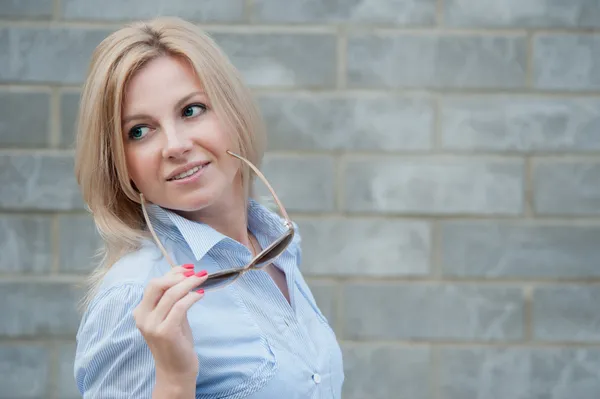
(161, 80)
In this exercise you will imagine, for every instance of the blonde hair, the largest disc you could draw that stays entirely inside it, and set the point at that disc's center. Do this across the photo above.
(100, 165)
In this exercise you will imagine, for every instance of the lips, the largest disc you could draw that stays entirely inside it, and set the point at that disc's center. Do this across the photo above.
(186, 171)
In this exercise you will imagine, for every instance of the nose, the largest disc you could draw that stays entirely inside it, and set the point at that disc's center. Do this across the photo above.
(177, 145)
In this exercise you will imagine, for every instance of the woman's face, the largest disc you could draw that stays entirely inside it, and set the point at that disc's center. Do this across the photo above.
(175, 145)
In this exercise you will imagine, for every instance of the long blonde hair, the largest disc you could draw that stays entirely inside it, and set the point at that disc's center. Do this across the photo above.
(100, 165)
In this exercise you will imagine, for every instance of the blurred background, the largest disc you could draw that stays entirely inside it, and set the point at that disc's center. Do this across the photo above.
(440, 157)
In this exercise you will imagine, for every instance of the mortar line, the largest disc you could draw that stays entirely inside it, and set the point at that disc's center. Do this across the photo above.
(528, 312)
(361, 155)
(339, 309)
(341, 57)
(56, 10)
(249, 11)
(436, 371)
(53, 370)
(437, 142)
(367, 92)
(439, 13)
(436, 250)
(381, 28)
(528, 189)
(429, 91)
(339, 185)
(42, 278)
(55, 244)
(578, 221)
(529, 61)
(55, 123)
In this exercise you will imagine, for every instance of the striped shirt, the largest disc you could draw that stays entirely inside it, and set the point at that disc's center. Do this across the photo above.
(250, 341)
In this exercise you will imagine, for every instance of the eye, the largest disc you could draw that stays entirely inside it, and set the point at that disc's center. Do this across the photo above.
(138, 132)
(193, 110)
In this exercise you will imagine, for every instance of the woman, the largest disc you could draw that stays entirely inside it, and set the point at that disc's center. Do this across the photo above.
(167, 140)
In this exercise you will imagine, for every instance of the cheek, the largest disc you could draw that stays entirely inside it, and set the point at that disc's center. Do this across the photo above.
(139, 165)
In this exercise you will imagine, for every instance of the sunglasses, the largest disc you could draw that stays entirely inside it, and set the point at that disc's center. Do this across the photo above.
(225, 277)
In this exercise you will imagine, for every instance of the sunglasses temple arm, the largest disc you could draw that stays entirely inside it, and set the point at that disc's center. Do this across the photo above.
(264, 179)
(160, 246)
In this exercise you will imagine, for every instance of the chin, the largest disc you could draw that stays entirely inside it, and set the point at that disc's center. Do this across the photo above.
(196, 201)
(188, 205)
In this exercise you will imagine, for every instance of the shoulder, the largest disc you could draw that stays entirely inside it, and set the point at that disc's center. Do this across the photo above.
(122, 287)
(136, 268)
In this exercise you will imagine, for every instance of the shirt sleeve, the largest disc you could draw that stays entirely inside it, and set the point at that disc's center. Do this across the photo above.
(112, 359)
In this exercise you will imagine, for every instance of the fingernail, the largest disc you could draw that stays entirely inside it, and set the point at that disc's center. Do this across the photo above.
(202, 273)
(200, 291)
(188, 266)
(188, 273)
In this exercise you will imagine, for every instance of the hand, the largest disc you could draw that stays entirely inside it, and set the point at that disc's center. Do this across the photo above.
(161, 317)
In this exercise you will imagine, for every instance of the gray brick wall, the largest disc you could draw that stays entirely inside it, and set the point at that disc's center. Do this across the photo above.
(440, 157)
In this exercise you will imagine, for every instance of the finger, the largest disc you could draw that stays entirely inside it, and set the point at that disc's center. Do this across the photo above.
(180, 308)
(175, 293)
(157, 287)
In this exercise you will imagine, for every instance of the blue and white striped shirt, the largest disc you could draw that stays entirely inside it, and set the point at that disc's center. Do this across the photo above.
(250, 342)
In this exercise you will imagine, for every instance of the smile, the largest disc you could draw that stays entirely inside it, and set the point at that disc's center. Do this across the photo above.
(188, 173)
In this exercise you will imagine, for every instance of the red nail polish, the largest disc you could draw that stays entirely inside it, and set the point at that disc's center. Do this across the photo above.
(188, 273)
(202, 273)
(188, 266)
(200, 291)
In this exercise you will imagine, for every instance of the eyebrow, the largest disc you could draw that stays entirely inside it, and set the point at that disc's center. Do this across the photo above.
(179, 104)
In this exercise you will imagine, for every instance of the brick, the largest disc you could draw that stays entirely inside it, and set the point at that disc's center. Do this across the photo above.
(521, 250)
(433, 61)
(25, 244)
(67, 388)
(434, 186)
(208, 11)
(346, 247)
(24, 119)
(23, 371)
(520, 124)
(267, 59)
(379, 122)
(69, 108)
(522, 13)
(540, 373)
(326, 297)
(52, 55)
(404, 12)
(38, 310)
(553, 66)
(432, 312)
(302, 183)
(382, 371)
(566, 313)
(79, 243)
(567, 188)
(36, 181)
(37, 9)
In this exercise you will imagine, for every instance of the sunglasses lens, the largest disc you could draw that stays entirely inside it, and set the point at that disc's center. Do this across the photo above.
(219, 279)
(275, 249)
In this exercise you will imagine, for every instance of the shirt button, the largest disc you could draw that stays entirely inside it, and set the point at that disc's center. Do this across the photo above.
(316, 378)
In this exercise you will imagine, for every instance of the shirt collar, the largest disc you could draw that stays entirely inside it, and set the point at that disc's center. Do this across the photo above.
(201, 238)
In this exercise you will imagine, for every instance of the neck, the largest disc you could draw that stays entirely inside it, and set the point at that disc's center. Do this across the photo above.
(228, 216)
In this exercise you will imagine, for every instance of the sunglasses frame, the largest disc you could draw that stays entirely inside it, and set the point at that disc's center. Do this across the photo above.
(237, 272)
